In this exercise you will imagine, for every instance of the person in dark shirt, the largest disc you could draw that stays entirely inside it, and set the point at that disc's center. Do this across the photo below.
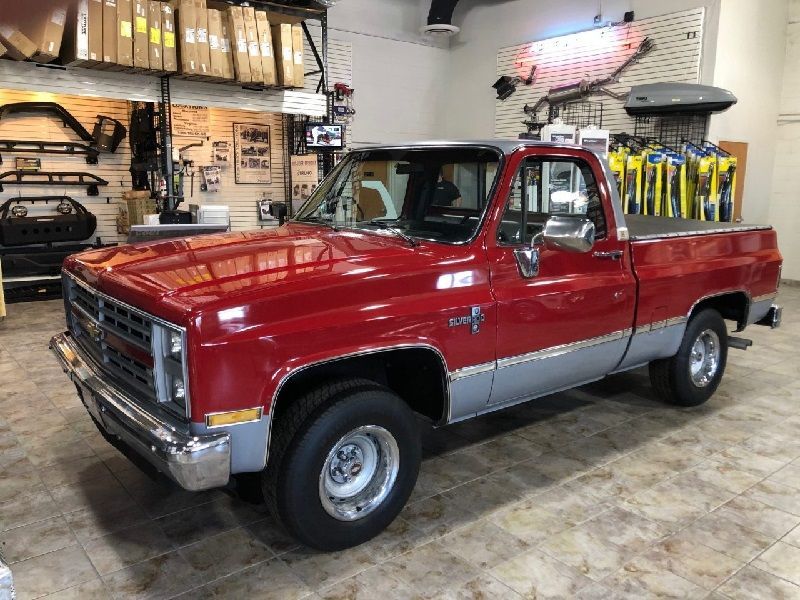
(446, 193)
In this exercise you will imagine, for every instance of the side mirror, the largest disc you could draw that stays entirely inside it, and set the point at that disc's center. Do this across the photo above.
(570, 234)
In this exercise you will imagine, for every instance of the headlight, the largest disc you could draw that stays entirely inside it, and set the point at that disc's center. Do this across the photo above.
(175, 345)
(178, 391)
(169, 354)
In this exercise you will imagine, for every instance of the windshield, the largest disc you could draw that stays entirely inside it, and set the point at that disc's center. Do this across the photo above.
(433, 194)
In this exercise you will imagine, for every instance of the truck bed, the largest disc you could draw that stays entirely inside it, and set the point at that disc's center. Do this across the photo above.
(645, 227)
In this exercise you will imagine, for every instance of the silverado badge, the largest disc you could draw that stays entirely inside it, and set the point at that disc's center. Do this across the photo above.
(474, 320)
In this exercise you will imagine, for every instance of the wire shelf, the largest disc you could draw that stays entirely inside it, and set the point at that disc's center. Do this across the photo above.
(580, 114)
(673, 130)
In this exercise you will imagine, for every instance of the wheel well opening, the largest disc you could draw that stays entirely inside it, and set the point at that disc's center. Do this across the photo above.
(732, 307)
(417, 375)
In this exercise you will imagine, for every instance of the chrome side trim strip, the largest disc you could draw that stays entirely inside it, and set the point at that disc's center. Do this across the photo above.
(510, 361)
(473, 370)
(764, 298)
(680, 234)
(655, 326)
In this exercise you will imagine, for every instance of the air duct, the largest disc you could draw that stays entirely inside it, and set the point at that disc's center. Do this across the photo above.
(440, 19)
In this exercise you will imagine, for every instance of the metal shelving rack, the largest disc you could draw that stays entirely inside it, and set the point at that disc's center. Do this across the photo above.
(293, 126)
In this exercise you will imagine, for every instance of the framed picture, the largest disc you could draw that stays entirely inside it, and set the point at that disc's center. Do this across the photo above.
(252, 158)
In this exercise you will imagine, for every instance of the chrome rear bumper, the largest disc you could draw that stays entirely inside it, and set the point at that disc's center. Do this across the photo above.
(773, 317)
(193, 462)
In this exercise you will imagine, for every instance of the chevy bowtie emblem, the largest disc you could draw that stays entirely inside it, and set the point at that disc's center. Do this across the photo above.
(93, 330)
(474, 320)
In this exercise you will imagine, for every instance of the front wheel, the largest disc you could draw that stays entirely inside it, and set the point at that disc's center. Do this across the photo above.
(692, 376)
(344, 461)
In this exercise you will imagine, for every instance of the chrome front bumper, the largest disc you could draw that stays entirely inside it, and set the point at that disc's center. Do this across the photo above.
(193, 462)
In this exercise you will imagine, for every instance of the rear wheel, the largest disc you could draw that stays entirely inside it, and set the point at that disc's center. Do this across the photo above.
(692, 376)
(344, 461)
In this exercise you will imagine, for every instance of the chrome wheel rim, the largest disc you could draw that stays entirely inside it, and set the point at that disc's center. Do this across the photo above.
(704, 359)
(359, 472)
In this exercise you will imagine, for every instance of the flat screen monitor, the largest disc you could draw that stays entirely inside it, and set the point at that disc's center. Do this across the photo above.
(322, 136)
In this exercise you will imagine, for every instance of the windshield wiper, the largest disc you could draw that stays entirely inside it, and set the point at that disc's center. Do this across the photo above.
(320, 220)
(385, 226)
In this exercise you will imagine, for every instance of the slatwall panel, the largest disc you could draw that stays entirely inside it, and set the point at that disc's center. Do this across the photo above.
(111, 167)
(340, 61)
(240, 197)
(596, 54)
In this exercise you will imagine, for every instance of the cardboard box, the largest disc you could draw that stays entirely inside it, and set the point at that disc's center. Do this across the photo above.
(141, 37)
(83, 34)
(284, 53)
(17, 44)
(187, 48)
(265, 45)
(154, 35)
(2, 50)
(45, 28)
(228, 71)
(215, 43)
(125, 33)
(110, 32)
(253, 50)
(203, 47)
(297, 48)
(238, 37)
(169, 47)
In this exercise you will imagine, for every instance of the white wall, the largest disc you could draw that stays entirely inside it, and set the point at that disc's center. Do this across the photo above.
(399, 76)
(784, 209)
(750, 58)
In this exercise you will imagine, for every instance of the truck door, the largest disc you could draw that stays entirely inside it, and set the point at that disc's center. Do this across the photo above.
(569, 322)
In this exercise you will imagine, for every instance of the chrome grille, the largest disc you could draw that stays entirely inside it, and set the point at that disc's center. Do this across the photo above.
(114, 319)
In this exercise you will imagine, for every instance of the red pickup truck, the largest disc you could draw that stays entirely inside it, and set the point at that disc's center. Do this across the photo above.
(445, 279)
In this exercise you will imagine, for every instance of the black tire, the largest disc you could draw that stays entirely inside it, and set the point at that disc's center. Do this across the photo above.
(301, 443)
(671, 378)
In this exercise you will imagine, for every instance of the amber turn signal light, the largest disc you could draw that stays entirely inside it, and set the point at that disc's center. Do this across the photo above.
(233, 417)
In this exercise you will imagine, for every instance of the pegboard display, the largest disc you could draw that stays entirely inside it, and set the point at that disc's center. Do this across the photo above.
(595, 54)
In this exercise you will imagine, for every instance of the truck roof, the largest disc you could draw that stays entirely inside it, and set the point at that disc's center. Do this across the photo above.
(504, 146)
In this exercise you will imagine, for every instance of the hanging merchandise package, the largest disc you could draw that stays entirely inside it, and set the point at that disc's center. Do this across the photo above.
(675, 194)
(633, 185)
(211, 178)
(727, 187)
(652, 183)
(703, 204)
(616, 160)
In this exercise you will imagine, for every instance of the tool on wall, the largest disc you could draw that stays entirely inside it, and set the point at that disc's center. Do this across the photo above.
(507, 85)
(343, 108)
(579, 90)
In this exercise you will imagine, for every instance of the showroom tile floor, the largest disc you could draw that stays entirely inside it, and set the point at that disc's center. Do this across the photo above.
(601, 492)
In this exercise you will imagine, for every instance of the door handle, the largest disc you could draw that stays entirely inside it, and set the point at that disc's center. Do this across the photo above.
(613, 255)
(527, 262)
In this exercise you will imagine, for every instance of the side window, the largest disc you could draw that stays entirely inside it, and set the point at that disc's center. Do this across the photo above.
(542, 188)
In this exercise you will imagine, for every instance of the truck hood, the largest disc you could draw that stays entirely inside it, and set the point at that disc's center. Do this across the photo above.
(175, 278)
